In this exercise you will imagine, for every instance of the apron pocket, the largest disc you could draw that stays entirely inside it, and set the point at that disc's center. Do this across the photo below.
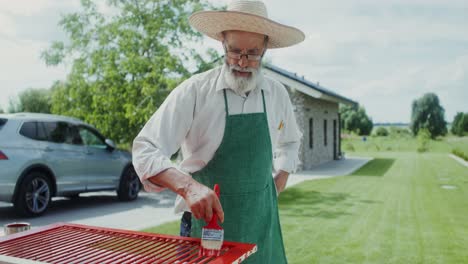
(247, 216)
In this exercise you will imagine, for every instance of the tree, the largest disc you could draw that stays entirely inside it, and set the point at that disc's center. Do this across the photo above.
(1, 111)
(460, 124)
(31, 100)
(428, 113)
(356, 120)
(124, 65)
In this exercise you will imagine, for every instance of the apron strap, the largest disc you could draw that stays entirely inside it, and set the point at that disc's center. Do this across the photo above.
(264, 105)
(225, 103)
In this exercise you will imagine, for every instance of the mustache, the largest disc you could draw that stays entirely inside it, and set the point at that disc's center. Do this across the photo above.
(238, 68)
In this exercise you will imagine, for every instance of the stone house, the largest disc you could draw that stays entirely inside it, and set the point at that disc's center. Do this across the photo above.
(317, 115)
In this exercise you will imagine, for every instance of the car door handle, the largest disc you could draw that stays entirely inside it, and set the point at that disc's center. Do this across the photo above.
(48, 149)
(89, 153)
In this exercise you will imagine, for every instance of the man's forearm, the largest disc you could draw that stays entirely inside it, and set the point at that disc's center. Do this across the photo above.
(174, 180)
(201, 200)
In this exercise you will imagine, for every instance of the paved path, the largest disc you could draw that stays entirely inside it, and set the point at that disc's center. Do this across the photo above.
(150, 209)
(459, 160)
(329, 169)
(102, 209)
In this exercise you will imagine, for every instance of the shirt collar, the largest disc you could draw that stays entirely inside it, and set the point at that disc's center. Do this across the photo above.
(221, 83)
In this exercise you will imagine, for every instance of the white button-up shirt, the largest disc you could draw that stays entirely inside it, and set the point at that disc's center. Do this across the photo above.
(192, 118)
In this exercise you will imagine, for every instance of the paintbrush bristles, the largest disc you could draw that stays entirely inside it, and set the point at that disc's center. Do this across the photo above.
(212, 235)
(212, 241)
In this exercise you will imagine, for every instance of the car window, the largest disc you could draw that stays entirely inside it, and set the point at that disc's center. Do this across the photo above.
(55, 131)
(30, 129)
(62, 132)
(2, 122)
(91, 138)
(41, 132)
(75, 135)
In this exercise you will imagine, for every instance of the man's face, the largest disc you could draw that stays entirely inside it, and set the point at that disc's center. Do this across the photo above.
(243, 57)
(250, 47)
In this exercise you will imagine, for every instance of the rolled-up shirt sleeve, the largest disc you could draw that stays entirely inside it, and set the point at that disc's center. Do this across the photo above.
(163, 135)
(289, 138)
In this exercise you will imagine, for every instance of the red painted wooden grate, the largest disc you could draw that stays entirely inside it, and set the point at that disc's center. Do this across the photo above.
(72, 243)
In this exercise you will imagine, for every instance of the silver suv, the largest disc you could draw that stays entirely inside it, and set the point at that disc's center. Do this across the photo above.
(44, 155)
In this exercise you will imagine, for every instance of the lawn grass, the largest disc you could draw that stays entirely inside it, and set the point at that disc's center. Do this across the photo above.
(392, 210)
(402, 216)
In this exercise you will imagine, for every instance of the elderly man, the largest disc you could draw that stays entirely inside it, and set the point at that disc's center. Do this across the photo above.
(234, 126)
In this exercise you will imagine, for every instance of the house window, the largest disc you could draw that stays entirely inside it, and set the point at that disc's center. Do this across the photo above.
(325, 132)
(311, 133)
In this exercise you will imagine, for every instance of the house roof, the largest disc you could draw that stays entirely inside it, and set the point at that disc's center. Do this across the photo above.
(307, 87)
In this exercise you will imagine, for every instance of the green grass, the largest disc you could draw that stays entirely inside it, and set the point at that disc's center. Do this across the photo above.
(402, 216)
(392, 210)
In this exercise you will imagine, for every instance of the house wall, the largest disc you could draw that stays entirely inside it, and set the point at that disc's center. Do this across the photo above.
(305, 108)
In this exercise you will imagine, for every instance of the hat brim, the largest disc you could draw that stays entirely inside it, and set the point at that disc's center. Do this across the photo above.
(213, 23)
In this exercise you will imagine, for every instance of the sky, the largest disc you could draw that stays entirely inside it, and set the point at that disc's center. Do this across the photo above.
(382, 54)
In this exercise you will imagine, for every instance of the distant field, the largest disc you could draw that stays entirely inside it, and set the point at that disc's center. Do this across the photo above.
(404, 143)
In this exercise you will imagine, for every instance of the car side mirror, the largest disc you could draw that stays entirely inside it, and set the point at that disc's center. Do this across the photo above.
(110, 144)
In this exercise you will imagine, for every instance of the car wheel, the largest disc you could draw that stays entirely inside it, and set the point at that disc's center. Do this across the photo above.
(129, 185)
(34, 195)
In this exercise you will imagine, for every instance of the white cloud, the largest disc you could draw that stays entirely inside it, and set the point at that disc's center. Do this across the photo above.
(384, 54)
(6, 26)
(23, 7)
(22, 68)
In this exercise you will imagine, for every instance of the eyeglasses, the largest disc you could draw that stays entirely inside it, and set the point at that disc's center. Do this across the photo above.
(238, 56)
(250, 57)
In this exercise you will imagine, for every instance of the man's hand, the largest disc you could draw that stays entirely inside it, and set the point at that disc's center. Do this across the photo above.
(201, 200)
(280, 180)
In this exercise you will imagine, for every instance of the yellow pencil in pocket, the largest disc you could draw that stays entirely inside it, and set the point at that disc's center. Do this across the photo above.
(281, 125)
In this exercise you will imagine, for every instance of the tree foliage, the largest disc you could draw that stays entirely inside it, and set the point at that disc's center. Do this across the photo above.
(356, 120)
(31, 100)
(429, 114)
(460, 124)
(125, 64)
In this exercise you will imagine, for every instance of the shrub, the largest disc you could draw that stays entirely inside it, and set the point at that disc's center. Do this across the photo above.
(424, 136)
(349, 147)
(399, 131)
(381, 132)
(459, 153)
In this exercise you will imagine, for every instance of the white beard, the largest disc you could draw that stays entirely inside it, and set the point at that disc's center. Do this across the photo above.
(241, 85)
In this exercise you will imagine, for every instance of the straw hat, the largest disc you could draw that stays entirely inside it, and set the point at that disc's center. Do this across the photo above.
(246, 15)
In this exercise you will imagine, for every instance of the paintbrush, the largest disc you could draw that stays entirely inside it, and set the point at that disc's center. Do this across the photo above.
(212, 235)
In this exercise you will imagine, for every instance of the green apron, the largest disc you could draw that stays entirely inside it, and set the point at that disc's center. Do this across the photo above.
(242, 166)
